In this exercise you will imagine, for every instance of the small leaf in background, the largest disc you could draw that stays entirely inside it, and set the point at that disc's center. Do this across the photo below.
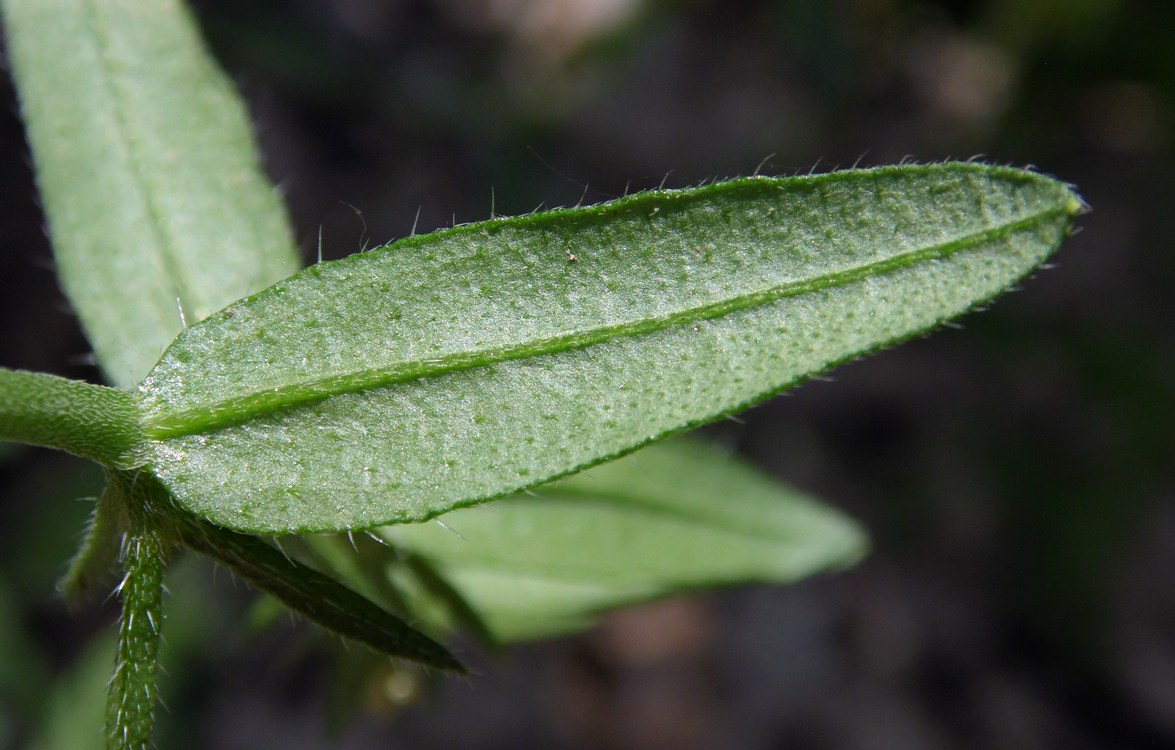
(24, 670)
(318, 597)
(75, 707)
(441, 370)
(672, 517)
(147, 172)
(93, 571)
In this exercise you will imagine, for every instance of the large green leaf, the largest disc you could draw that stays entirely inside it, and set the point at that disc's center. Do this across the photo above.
(146, 169)
(446, 369)
(676, 516)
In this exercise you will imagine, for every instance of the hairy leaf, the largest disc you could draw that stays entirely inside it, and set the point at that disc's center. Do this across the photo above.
(94, 565)
(451, 368)
(312, 594)
(146, 169)
(543, 563)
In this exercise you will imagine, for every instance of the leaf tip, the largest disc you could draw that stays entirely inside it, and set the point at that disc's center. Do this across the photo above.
(1075, 205)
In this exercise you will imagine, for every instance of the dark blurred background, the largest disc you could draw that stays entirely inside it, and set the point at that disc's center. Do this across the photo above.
(1015, 473)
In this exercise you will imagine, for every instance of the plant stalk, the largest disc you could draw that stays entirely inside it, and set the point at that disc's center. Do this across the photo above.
(133, 692)
(90, 421)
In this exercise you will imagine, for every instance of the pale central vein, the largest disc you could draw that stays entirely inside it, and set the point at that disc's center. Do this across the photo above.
(115, 85)
(232, 411)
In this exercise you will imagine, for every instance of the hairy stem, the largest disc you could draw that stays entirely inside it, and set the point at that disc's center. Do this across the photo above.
(130, 706)
(87, 420)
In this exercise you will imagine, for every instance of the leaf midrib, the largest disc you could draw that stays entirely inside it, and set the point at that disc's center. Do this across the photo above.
(236, 410)
(114, 84)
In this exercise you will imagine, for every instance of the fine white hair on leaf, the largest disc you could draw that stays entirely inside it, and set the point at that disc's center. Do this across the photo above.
(762, 164)
(363, 238)
(377, 539)
(449, 528)
(415, 222)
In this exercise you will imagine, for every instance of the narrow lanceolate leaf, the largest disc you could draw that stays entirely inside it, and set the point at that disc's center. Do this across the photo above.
(87, 420)
(675, 516)
(146, 169)
(321, 599)
(447, 369)
(96, 561)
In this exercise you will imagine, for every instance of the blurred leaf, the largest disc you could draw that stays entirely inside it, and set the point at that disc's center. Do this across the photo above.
(146, 169)
(23, 671)
(77, 704)
(41, 534)
(445, 369)
(672, 517)
(355, 560)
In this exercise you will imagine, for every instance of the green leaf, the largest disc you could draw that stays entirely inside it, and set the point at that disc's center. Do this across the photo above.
(24, 670)
(75, 707)
(86, 420)
(357, 561)
(319, 598)
(447, 369)
(146, 169)
(675, 516)
(95, 563)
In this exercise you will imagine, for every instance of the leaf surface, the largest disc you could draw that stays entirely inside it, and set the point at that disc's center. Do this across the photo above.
(447, 369)
(675, 516)
(146, 169)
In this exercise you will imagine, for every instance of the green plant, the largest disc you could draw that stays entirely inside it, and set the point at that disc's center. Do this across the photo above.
(253, 402)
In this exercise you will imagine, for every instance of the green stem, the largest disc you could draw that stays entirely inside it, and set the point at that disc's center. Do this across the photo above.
(90, 421)
(133, 692)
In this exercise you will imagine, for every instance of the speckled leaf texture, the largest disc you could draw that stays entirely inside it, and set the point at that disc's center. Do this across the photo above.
(546, 562)
(447, 369)
(146, 169)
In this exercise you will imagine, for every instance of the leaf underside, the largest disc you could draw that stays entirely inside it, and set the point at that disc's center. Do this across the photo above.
(442, 370)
